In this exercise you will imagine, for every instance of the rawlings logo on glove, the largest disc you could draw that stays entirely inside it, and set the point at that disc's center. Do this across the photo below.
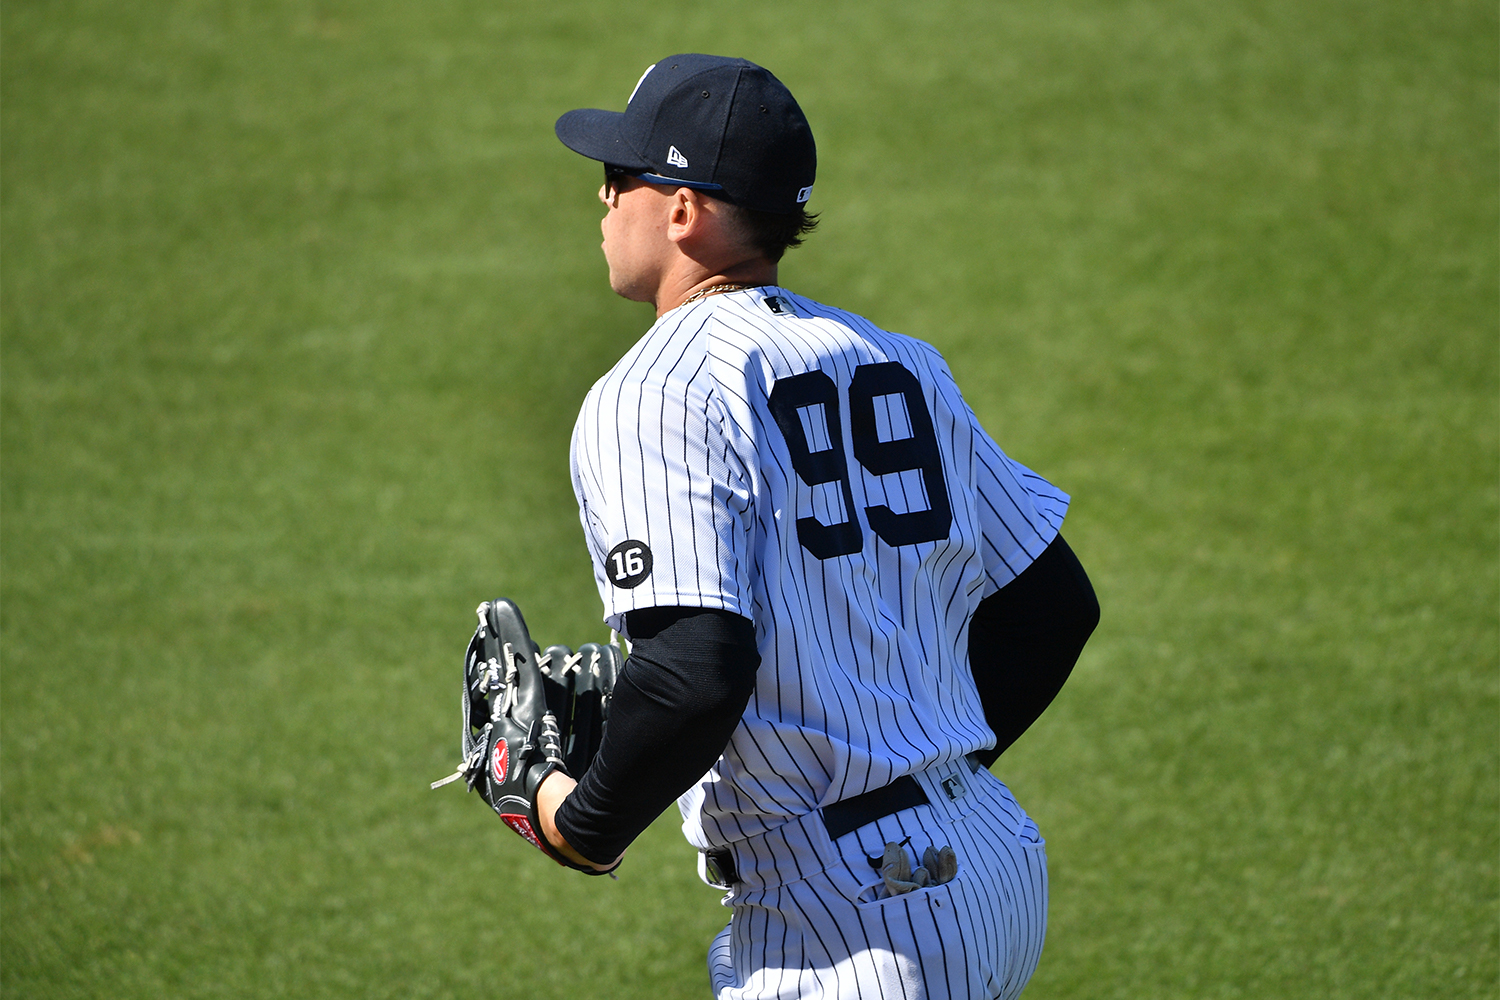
(498, 760)
(526, 714)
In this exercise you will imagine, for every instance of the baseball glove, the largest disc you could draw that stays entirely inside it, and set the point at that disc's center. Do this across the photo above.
(527, 713)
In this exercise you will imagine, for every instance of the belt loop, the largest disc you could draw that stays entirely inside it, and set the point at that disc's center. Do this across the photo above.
(716, 867)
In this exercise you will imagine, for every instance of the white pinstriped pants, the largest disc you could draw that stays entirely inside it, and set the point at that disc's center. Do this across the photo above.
(806, 923)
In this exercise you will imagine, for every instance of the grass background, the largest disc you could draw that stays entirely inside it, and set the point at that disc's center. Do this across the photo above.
(300, 300)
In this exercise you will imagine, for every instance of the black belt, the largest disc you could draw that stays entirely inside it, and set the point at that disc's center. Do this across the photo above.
(840, 818)
(903, 793)
(852, 813)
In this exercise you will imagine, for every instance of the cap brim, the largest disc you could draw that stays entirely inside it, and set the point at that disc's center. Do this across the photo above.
(597, 135)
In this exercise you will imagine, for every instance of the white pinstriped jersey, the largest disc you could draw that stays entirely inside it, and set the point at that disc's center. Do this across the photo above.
(767, 455)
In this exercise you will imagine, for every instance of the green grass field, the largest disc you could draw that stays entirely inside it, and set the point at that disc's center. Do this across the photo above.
(300, 301)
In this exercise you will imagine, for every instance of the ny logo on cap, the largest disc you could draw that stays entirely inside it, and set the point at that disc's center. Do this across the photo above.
(639, 82)
(676, 158)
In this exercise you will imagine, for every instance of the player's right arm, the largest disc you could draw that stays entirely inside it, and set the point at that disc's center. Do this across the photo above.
(678, 700)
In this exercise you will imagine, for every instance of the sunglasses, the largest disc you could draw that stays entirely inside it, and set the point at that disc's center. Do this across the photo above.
(614, 177)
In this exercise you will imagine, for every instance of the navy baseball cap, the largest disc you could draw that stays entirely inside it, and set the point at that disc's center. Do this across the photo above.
(724, 126)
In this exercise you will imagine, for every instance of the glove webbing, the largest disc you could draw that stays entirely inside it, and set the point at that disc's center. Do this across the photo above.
(491, 679)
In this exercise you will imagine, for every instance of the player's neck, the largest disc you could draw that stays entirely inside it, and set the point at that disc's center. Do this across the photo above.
(747, 275)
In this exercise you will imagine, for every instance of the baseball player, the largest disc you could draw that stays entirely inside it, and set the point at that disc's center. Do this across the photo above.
(844, 600)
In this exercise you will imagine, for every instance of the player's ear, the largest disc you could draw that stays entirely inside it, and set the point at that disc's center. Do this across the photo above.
(687, 215)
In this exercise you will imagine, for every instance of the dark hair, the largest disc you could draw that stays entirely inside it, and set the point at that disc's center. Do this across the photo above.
(774, 233)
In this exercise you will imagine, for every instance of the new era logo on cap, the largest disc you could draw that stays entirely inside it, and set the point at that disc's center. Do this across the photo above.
(675, 157)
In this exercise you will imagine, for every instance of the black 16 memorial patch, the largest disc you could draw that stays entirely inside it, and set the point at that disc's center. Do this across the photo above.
(628, 564)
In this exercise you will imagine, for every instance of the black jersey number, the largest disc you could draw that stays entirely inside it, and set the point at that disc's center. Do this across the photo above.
(829, 464)
(815, 468)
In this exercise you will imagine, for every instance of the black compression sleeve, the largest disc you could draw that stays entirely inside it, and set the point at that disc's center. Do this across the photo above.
(1025, 638)
(683, 690)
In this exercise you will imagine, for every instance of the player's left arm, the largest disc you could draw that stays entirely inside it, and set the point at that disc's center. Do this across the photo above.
(1025, 638)
(683, 690)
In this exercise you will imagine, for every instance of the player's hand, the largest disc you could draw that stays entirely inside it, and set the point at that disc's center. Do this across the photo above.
(549, 796)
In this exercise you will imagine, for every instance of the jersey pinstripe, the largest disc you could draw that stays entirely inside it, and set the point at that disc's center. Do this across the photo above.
(762, 453)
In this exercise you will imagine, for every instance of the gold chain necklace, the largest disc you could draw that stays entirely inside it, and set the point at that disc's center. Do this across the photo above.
(728, 286)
